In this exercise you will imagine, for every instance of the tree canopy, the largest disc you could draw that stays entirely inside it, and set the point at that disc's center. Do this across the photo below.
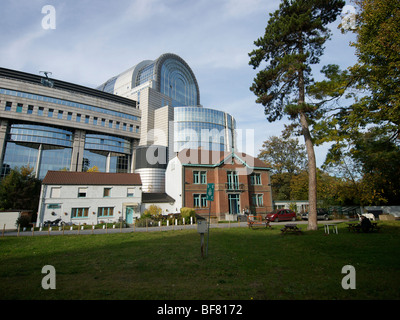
(20, 190)
(366, 128)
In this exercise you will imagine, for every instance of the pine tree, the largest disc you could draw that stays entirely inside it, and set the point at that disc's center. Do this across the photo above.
(293, 41)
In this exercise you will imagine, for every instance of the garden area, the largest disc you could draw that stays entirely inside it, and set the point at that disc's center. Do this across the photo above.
(242, 263)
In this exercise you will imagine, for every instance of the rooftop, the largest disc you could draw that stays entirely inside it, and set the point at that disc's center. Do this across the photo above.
(204, 157)
(91, 178)
(58, 84)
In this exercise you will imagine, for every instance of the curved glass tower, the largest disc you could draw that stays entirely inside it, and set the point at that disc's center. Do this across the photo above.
(203, 128)
(169, 75)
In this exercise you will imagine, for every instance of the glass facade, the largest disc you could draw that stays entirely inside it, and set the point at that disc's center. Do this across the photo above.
(145, 74)
(178, 83)
(45, 147)
(50, 148)
(196, 127)
(100, 149)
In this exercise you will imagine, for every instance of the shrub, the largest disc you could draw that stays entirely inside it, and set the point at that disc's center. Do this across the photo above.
(23, 221)
(187, 213)
(153, 212)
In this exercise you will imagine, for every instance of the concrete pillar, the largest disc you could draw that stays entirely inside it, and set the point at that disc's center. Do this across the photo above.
(3, 140)
(78, 148)
(38, 161)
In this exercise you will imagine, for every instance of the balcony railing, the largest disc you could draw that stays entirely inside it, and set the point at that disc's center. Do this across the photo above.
(234, 186)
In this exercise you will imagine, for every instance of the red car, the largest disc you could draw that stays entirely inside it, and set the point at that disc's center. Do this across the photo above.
(281, 215)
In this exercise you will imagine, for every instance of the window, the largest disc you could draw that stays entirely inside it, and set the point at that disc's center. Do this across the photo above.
(95, 121)
(79, 212)
(105, 212)
(69, 116)
(255, 179)
(40, 111)
(137, 129)
(200, 200)
(103, 122)
(82, 192)
(130, 192)
(8, 106)
(55, 192)
(124, 127)
(78, 118)
(54, 206)
(107, 192)
(257, 200)
(200, 177)
(50, 114)
(203, 177)
(196, 177)
(19, 107)
(117, 125)
(30, 109)
(110, 124)
(131, 128)
(60, 114)
(87, 119)
(233, 183)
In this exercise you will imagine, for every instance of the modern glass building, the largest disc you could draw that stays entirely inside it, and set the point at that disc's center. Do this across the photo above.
(204, 128)
(49, 124)
(168, 95)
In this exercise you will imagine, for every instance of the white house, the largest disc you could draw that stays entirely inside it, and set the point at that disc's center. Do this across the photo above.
(90, 197)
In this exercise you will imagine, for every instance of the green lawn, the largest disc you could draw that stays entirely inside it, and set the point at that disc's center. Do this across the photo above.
(241, 264)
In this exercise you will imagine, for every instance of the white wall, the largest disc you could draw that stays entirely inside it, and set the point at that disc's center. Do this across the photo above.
(9, 219)
(173, 182)
(68, 199)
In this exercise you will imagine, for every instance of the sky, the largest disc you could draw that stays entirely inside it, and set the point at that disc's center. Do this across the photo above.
(94, 40)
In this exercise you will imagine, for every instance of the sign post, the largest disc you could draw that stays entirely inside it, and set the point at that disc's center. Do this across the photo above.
(210, 197)
(202, 229)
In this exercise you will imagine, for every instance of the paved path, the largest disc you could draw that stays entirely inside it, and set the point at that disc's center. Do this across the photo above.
(67, 230)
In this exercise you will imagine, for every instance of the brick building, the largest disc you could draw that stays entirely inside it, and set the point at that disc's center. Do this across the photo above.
(242, 182)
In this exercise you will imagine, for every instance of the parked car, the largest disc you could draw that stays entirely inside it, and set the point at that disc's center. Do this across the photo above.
(322, 214)
(281, 215)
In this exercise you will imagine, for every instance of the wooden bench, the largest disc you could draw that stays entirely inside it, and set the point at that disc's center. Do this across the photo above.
(290, 228)
(253, 221)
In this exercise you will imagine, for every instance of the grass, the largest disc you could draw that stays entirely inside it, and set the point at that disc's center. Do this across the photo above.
(242, 264)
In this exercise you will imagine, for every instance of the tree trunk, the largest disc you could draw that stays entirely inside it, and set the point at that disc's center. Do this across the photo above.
(312, 165)
(312, 175)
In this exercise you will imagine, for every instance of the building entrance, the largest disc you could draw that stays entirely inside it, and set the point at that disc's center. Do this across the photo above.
(234, 203)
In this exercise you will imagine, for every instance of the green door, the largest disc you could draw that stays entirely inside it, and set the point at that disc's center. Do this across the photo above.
(129, 215)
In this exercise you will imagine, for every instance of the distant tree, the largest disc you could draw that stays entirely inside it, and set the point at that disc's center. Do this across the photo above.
(20, 190)
(287, 158)
(293, 41)
(284, 155)
(93, 169)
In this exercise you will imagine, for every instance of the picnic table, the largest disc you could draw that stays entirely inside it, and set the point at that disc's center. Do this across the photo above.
(334, 228)
(253, 221)
(291, 228)
(356, 227)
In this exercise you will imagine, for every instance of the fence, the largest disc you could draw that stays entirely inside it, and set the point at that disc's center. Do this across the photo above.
(178, 224)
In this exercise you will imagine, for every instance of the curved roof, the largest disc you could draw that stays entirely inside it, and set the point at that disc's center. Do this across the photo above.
(157, 71)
